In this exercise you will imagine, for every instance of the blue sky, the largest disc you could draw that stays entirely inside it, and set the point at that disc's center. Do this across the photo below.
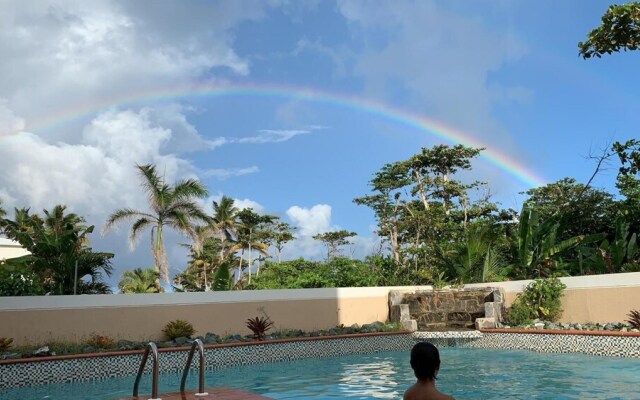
(506, 73)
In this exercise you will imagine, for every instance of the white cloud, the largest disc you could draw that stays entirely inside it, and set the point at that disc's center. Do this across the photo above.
(225, 173)
(248, 203)
(94, 176)
(311, 221)
(72, 55)
(273, 136)
(9, 122)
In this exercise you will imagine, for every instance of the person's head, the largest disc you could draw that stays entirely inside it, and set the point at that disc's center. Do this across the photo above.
(425, 361)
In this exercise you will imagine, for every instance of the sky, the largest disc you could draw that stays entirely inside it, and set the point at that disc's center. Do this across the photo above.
(290, 107)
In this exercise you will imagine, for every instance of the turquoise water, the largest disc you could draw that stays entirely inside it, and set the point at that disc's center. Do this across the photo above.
(465, 374)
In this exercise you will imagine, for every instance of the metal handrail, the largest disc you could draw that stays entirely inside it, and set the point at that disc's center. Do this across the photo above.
(151, 347)
(194, 344)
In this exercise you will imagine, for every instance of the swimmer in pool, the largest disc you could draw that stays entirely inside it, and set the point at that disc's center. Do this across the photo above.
(425, 361)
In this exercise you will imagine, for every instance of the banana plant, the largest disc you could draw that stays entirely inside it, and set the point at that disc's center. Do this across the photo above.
(538, 248)
(622, 250)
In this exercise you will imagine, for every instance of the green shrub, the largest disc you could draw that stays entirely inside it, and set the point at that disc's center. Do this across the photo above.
(540, 299)
(5, 343)
(178, 328)
(100, 341)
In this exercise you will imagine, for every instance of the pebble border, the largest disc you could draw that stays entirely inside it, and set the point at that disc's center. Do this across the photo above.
(30, 372)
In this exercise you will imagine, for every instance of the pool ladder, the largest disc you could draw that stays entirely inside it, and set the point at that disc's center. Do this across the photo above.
(152, 349)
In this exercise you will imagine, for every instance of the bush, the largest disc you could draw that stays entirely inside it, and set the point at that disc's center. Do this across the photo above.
(5, 344)
(178, 328)
(540, 299)
(100, 341)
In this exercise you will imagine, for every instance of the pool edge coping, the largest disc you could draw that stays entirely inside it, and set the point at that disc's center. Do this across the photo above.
(188, 348)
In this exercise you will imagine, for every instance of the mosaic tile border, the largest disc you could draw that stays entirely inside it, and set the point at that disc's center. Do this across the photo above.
(598, 345)
(75, 369)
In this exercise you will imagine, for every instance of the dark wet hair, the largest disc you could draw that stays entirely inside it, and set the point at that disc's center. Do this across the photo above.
(425, 360)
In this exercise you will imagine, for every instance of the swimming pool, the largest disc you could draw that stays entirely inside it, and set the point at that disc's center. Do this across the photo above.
(465, 374)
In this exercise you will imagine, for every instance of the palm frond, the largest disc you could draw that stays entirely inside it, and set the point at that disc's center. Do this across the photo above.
(122, 215)
(188, 189)
(137, 226)
(155, 187)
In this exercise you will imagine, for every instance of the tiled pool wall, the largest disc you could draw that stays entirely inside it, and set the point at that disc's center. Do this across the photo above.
(20, 374)
(17, 374)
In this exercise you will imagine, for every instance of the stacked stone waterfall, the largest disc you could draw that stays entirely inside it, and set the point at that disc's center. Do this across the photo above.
(445, 309)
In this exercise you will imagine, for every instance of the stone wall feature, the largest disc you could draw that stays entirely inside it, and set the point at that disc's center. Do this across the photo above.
(446, 308)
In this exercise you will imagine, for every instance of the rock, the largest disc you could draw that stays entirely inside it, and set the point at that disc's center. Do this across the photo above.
(211, 338)
(125, 345)
(409, 325)
(578, 327)
(539, 325)
(43, 352)
(635, 330)
(233, 339)
(485, 323)
(399, 312)
(182, 341)
(89, 349)
(10, 356)
(609, 327)
(624, 329)
(565, 326)
(493, 310)
(169, 343)
(553, 326)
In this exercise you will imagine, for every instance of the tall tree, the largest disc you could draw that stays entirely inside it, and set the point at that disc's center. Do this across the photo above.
(333, 241)
(620, 30)
(140, 281)
(246, 241)
(580, 210)
(282, 234)
(171, 206)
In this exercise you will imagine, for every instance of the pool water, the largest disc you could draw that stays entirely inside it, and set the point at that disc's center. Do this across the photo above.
(464, 374)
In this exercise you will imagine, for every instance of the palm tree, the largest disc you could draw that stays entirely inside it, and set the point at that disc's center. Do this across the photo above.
(140, 281)
(2, 211)
(172, 206)
(58, 244)
(225, 220)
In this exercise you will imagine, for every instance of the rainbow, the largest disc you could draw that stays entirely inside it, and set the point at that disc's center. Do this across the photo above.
(422, 123)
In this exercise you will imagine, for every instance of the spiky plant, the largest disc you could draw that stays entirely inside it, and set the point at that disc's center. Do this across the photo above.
(259, 326)
(634, 318)
(5, 343)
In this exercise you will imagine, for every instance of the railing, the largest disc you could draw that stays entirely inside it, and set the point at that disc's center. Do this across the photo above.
(196, 343)
(151, 347)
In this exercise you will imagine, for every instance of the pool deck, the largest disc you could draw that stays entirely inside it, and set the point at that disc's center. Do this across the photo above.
(219, 393)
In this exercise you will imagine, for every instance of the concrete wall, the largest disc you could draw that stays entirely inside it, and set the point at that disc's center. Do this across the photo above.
(601, 298)
(33, 320)
(594, 298)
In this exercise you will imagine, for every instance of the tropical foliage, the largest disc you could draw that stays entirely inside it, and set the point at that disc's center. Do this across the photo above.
(58, 244)
(140, 281)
